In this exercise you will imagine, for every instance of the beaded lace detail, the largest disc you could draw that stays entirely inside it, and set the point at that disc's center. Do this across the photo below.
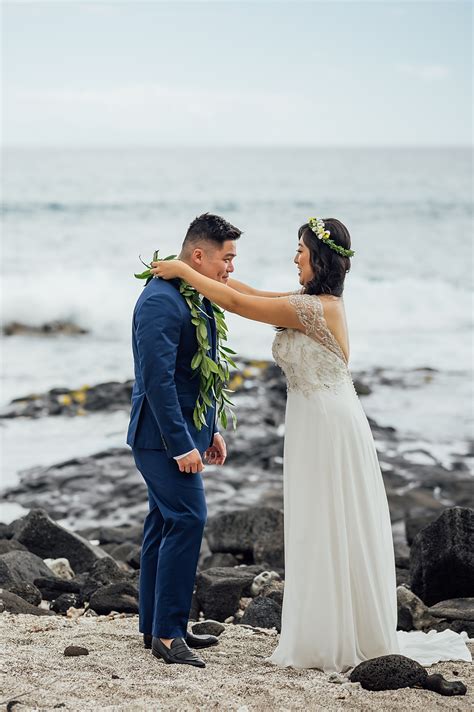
(312, 360)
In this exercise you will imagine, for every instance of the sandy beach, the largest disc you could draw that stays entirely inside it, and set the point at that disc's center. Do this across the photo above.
(119, 674)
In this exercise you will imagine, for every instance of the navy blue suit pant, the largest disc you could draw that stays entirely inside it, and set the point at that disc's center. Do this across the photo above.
(172, 535)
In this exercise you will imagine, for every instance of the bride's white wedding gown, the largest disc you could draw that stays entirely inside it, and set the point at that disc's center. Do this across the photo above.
(340, 604)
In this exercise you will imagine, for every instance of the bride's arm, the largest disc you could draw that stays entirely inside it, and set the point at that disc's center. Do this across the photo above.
(270, 310)
(247, 289)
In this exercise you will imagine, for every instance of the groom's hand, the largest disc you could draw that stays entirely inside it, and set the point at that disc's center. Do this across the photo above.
(217, 453)
(191, 463)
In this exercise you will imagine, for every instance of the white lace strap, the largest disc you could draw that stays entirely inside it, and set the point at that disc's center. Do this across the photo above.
(310, 312)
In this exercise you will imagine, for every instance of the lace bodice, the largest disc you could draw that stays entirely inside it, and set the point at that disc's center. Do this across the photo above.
(312, 360)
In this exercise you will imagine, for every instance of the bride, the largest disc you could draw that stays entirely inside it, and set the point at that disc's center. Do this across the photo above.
(340, 603)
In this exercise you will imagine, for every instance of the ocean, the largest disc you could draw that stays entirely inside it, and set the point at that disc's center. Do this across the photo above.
(76, 221)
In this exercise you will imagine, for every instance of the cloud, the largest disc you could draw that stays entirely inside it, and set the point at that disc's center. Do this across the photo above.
(425, 72)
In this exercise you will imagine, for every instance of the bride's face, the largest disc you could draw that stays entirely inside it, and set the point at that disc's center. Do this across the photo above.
(302, 260)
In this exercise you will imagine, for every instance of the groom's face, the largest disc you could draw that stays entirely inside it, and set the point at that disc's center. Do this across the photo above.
(215, 261)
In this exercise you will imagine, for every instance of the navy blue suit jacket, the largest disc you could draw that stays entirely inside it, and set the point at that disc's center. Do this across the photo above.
(166, 387)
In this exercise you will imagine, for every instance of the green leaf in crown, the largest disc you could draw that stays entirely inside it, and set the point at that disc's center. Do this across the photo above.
(213, 376)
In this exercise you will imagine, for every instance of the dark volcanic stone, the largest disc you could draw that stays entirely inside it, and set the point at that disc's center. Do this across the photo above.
(73, 651)
(27, 591)
(103, 573)
(14, 604)
(44, 537)
(21, 567)
(454, 608)
(218, 560)
(262, 613)
(442, 557)
(51, 588)
(63, 602)
(7, 545)
(5, 531)
(208, 628)
(389, 672)
(121, 597)
(274, 590)
(257, 531)
(414, 524)
(437, 683)
(114, 535)
(219, 590)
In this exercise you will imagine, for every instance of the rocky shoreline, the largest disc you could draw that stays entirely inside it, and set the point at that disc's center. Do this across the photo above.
(76, 554)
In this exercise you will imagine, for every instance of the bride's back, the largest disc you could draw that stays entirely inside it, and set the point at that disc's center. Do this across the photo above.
(335, 317)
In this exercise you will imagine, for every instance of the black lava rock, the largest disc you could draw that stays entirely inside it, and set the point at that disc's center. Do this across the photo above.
(256, 532)
(262, 613)
(389, 672)
(73, 651)
(63, 602)
(14, 604)
(121, 597)
(442, 557)
(27, 591)
(208, 627)
(44, 537)
(7, 545)
(219, 590)
(53, 588)
(103, 573)
(21, 567)
(218, 560)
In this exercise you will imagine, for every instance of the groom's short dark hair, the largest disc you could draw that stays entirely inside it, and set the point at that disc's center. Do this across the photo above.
(211, 228)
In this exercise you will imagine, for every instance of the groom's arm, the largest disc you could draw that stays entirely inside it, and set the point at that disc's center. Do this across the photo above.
(158, 331)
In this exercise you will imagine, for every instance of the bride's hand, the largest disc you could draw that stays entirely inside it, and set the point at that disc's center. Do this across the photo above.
(167, 269)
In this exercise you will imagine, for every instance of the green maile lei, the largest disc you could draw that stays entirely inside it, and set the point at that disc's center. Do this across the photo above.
(213, 376)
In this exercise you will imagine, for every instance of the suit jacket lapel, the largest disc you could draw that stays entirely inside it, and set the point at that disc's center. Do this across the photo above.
(211, 327)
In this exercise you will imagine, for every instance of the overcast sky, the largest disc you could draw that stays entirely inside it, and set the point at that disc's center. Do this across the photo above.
(237, 73)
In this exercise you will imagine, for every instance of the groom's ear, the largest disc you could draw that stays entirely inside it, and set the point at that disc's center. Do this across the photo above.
(197, 256)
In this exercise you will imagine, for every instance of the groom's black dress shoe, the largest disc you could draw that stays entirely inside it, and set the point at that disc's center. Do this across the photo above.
(192, 640)
(177, 653)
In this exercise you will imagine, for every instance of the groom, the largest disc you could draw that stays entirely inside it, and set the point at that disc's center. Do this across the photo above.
(168, 449)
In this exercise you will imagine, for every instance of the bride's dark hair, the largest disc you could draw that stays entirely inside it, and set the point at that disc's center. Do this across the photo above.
(329, 267)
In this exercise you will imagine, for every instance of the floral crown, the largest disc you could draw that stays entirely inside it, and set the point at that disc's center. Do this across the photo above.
(317, 226)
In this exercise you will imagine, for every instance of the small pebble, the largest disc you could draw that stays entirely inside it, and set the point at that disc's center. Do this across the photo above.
(73, 650)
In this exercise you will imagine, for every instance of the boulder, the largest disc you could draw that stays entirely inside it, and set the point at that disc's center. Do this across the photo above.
(14, 604)
(44, 537)
(27, 591)
(208, 627)
(412, 612)
(63, 603)
(7, 545)
(456, 614)
(219, 590)
(103, 573)
(256, 532)
(454, 608)
(127, 552)
(218, 560)
(415, 523)
(113, 535)
(21, 567)
(389, 672)
(262, 613)
(52, 588)
(121, 597)
(442, 557)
